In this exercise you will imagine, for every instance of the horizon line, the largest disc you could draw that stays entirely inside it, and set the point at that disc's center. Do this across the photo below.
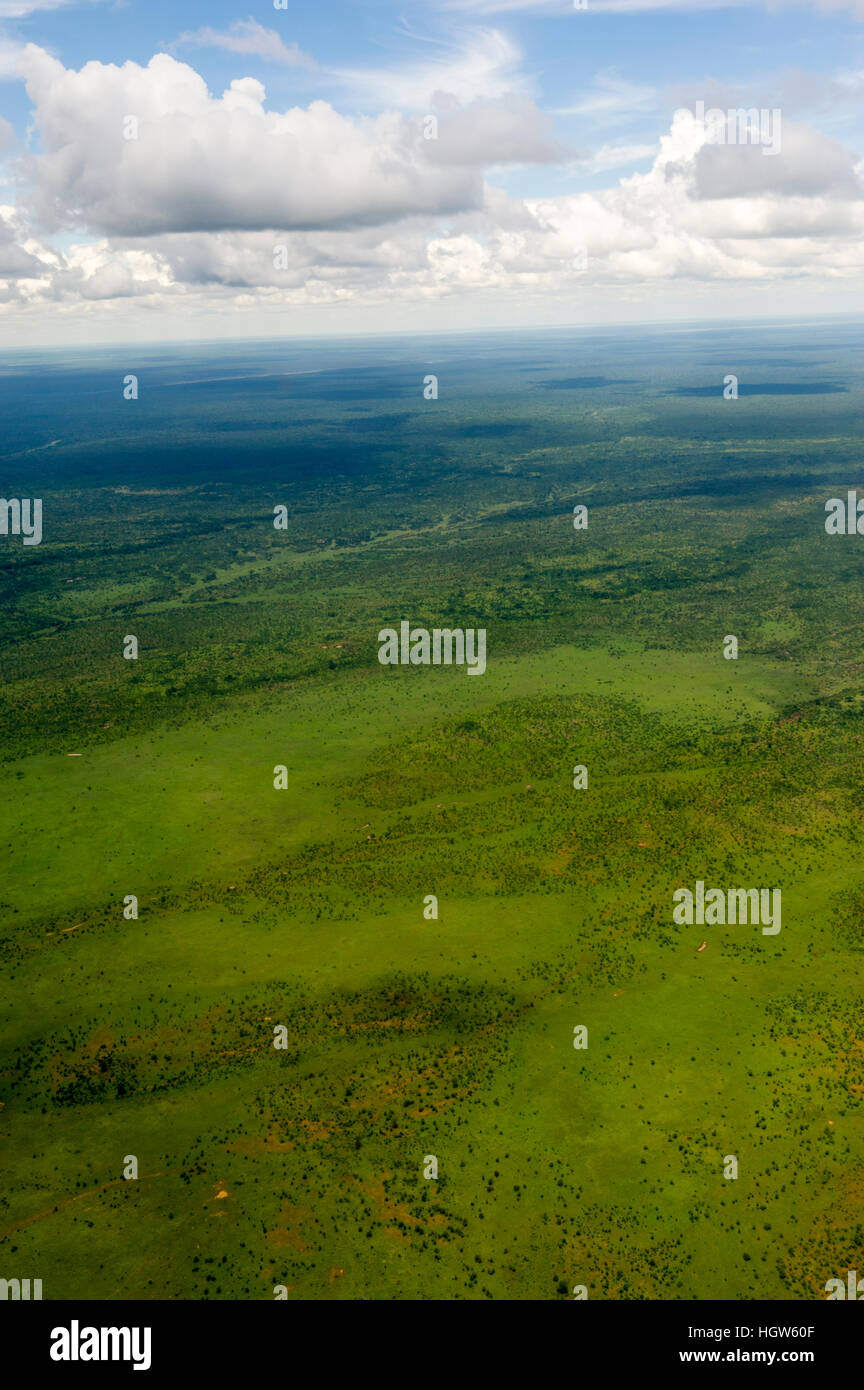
(673, 325)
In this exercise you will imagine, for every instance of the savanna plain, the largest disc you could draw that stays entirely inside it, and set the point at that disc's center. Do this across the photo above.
(302, 909)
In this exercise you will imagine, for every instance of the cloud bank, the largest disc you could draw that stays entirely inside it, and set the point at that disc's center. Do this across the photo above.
(221, 200)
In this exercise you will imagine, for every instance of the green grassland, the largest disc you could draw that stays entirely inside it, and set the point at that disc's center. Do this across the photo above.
(407, 1037)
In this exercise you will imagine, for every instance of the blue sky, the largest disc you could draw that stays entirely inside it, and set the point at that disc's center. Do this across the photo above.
(560, 180)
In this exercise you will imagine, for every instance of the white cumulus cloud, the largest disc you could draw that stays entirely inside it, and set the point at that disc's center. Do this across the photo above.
(209, 163)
